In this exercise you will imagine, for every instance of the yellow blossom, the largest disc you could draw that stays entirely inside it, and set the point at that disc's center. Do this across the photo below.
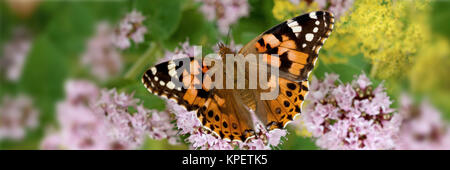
(430, 73)
(389, 33)
(284, 9)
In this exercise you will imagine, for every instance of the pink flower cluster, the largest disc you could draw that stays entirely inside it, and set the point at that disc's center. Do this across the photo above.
(101, 55)
(17, 115)
(184, 50)
(226, 12)
(350, 116)
(15, 52)
(200, 138)
(130, 28)
(422, 128)
(94, 119)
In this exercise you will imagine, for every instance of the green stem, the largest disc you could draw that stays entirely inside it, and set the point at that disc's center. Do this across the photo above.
(144, 60)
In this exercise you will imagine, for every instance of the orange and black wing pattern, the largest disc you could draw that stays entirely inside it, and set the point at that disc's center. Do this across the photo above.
(218, 110)
(294, 44)
(293, 47)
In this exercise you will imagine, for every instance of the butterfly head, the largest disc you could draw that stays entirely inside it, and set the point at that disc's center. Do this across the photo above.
(224, 50)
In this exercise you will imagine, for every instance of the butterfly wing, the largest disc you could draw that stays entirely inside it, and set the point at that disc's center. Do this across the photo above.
(297, 42)
(218, 110)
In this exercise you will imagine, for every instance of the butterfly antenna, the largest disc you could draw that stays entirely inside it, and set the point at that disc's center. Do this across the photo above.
(228, 37)
(220, 44)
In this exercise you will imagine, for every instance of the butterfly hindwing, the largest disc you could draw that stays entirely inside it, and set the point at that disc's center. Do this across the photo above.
(291, 46)
(287, 105)
(226, 116)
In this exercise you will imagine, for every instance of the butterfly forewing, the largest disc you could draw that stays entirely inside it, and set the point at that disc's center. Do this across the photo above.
(293, 44)
(296, 41)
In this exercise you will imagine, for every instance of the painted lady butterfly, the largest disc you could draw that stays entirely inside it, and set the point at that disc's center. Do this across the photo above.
(226, 112)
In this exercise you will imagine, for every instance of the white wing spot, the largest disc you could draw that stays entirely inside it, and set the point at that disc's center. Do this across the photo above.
(313, 15)
(297, 29)
(317, 22)
(315, 29)
(304, 45)
(293, 24)
(153, 70)
(309, 37)
(156, 78)
(171, 65)
(172, 72)
(170, 85)
(162, 83)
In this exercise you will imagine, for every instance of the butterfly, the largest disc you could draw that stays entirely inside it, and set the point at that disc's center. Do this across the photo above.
(228, 112)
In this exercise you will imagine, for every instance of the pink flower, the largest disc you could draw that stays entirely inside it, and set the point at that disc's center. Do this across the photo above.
(345, 102)
(296, 2)
(17, 115)
(226, 12)
(423, 127)
(350, 116)
(101, 55)
(183, 51)
(15, 52)
(130, 27)
(187, 122)
(81, 91)
(94, 119)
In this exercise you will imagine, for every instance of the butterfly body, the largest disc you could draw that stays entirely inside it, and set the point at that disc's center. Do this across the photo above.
(292, 47)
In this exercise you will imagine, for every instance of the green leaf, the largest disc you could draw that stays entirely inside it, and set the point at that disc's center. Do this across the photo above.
(70, 29)
(356, 65)
(194, 27)
(440, 15)
(298, 142)
(43, 75)
(163, 16)
(149, 100)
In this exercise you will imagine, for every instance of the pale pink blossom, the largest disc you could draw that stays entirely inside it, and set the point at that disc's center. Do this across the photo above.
(345, 116)
(101, 56)
(90, 118)
(225, 12)
(15, 52)
(17, 115)
(130, 28)
(423, 127)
